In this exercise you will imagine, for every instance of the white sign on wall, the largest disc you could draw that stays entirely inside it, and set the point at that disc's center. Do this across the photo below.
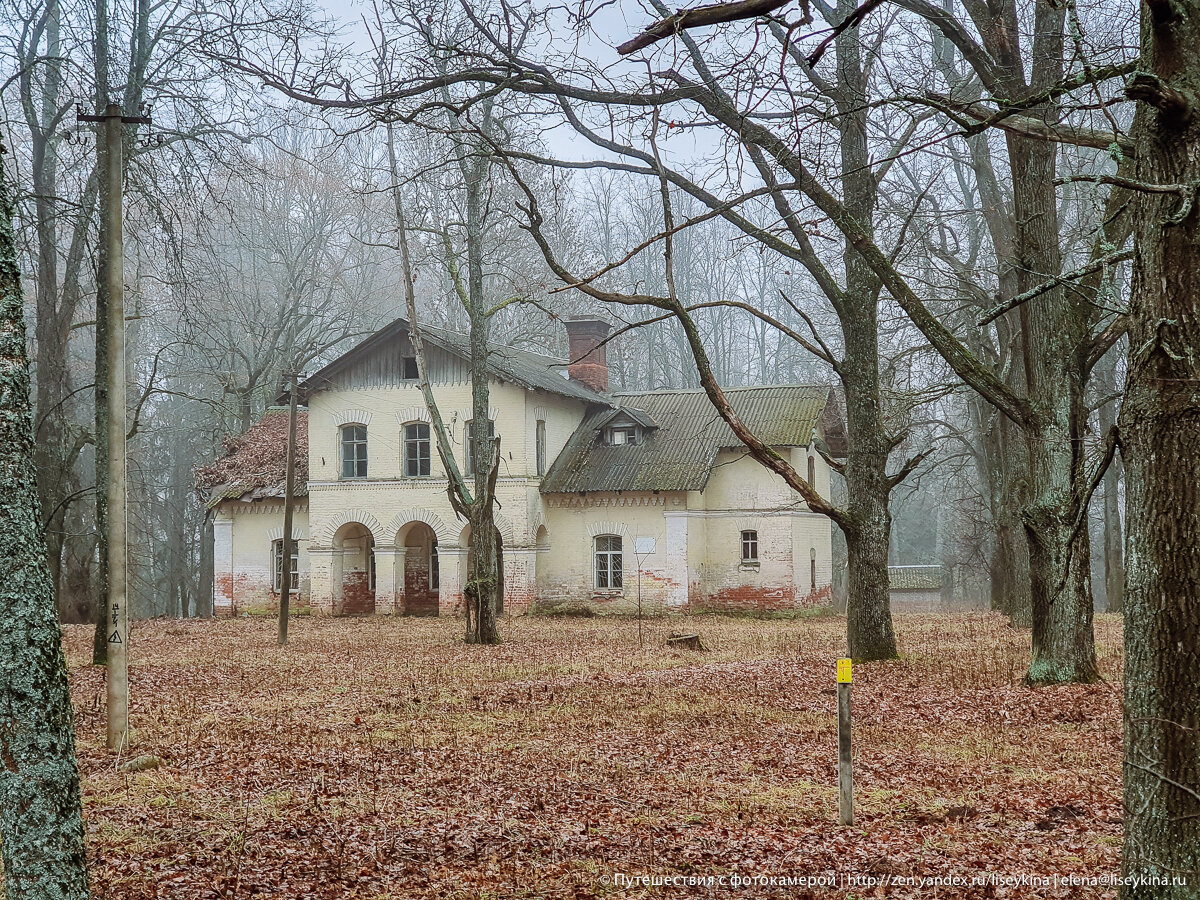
(643, 546)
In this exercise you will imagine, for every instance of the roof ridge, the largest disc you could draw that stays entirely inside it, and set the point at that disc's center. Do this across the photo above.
(746, 387)
(494, 343)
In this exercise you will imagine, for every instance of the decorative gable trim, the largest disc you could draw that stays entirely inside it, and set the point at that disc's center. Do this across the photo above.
(352, 417)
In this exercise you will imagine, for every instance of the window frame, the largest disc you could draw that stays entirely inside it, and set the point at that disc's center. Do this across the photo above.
(277, 566)
(468, 457)
(406, 443)
(750, 541)
(539, 447)
(609, 572)
(343, 442)
(631, 433)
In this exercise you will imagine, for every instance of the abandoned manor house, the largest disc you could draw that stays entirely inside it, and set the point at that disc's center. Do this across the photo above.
(599, 494)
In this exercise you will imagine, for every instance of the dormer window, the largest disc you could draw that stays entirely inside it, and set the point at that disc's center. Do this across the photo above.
(623, 434)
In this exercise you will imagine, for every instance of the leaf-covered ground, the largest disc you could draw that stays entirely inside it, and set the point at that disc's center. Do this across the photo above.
(383, 758)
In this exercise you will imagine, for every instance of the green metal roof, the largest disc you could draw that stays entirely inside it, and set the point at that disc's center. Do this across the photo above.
(679, 454)
(915, 578)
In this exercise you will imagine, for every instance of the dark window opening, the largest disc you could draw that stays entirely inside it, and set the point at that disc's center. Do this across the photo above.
(540, 441)
(410, 369)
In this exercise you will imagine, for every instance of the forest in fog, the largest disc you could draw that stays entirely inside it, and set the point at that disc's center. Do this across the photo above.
(261, 236)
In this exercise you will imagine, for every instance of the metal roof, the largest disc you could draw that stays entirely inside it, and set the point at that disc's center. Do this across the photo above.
(679, 454)
(524, 368)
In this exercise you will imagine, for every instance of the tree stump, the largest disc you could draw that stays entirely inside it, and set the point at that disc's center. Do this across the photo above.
(685, 642)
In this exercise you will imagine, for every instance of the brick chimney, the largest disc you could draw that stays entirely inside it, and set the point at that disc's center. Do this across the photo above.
(588, 357)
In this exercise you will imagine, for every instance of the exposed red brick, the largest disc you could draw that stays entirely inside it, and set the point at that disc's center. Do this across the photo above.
(357, 597)
(588, 356)
(419, 598)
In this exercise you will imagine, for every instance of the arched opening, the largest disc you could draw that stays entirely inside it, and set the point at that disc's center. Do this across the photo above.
(422, 570)
(354, 570)
(464, 540)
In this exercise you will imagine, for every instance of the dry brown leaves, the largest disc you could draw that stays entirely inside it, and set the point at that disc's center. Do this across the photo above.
(383, 757)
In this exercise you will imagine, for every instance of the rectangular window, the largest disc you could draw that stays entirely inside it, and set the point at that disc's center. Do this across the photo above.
(540, 441)
(467, 454)
(354, 451)
(277, 566)
(749, 546)
(410, 369)
(416, 450)
(608, 562)
(622, 435)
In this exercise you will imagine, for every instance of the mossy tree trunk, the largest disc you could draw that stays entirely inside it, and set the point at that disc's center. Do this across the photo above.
(41, 825)
(1160, 436)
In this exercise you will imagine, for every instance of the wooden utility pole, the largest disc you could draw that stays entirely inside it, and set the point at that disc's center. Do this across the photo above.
(845, 769)
(116, 604)
(289, 504)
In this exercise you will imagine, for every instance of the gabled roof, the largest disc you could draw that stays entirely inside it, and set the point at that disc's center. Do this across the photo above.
(524, 368)
(679, 454)
(625, 414)
(254, 466)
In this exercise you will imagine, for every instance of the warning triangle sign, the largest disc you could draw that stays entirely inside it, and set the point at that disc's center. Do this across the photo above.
(116, 638)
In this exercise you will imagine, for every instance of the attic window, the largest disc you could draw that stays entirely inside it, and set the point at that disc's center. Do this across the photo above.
(623, 434)
(410, 368)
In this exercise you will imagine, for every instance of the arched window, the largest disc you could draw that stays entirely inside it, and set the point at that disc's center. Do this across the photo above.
(354, 451)
(812, 472)
(277, 559)
(609, 574)
(812, 566)
(416, 450)
(435, 571)
(468, 454)
(539, 439)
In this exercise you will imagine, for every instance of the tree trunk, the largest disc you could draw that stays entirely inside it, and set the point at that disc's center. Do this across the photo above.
(869, 631)
(1160, 434)
(484, 582)
(1114, 548)
(41, 823)
(1055, 326)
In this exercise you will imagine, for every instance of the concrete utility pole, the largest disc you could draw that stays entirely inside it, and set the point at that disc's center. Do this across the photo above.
(289, 504)
(116, 601)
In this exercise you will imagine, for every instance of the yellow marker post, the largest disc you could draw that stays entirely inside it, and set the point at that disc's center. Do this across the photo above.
(845, 771)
